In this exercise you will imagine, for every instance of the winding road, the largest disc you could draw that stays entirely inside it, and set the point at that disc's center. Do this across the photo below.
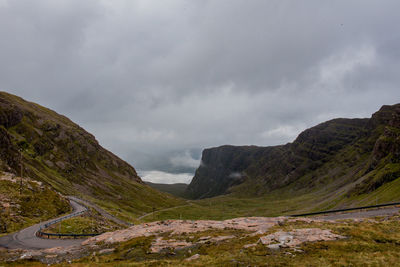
(27, 239)
(103, 213)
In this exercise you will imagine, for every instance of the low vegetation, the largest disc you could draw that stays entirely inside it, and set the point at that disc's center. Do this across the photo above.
(24, 202)
(90, 223)
(369, 242)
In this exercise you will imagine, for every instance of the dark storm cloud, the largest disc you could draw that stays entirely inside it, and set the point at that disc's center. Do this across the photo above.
(157, 81)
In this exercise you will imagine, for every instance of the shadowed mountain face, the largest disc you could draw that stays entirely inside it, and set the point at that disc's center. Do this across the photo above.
(373, 143)
(58, 152)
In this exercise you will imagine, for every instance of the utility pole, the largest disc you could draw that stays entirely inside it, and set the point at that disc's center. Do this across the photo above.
(20, 162)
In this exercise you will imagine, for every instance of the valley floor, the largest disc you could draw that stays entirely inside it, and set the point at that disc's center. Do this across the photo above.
(248, 241)
(287, 201)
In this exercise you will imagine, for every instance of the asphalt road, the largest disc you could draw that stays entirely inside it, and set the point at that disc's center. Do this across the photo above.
(389, 211)
(27, 239)
(101, 211)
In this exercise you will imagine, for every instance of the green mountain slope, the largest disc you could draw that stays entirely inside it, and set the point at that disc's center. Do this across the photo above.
(61, 154)
(341, 162)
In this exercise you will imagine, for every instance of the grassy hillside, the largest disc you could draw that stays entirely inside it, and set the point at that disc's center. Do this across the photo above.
(59, 153)
(24, 202)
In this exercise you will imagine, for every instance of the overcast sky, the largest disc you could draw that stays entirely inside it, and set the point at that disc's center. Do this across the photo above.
(158, 81)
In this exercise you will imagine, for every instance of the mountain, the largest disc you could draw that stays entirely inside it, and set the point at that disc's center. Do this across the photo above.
(177, 189)
(59, 153)
(350, 156)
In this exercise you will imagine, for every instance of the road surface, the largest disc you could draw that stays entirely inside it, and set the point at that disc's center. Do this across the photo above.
(27, 239)
(360, 214)
(101, 211)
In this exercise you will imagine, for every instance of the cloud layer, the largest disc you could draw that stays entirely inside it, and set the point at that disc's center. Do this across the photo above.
(158, 81)
(165, 177)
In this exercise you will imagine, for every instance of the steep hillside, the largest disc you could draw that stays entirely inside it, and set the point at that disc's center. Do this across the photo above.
(59, 153)
(341, 157)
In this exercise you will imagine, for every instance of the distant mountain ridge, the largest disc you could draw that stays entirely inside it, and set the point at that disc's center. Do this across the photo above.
(61, 154)
(359, 154)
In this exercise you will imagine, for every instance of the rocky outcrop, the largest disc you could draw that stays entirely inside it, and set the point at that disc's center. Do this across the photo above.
(258, 225)
(296, 237)
(187, 238)
(10, 114)
(160, 244)
(388, 143)
(9, 160)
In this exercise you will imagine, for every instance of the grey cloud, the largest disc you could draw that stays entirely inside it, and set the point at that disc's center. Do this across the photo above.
(166, 178)
(184, 160)
(235, 175)
(153, 80)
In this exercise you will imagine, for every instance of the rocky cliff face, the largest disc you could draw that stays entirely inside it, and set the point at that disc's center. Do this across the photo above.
(387, 120)
(221, 168)
(269, 168)
(54, 150)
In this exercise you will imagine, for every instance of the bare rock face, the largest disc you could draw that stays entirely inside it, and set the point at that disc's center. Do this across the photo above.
(296, 237)
(8, 152)
(388, 141)
(160, 244)
(9, 115)
(192, 258)
(217, 239)
(106, 251)
(254, 225)
(258, 225)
